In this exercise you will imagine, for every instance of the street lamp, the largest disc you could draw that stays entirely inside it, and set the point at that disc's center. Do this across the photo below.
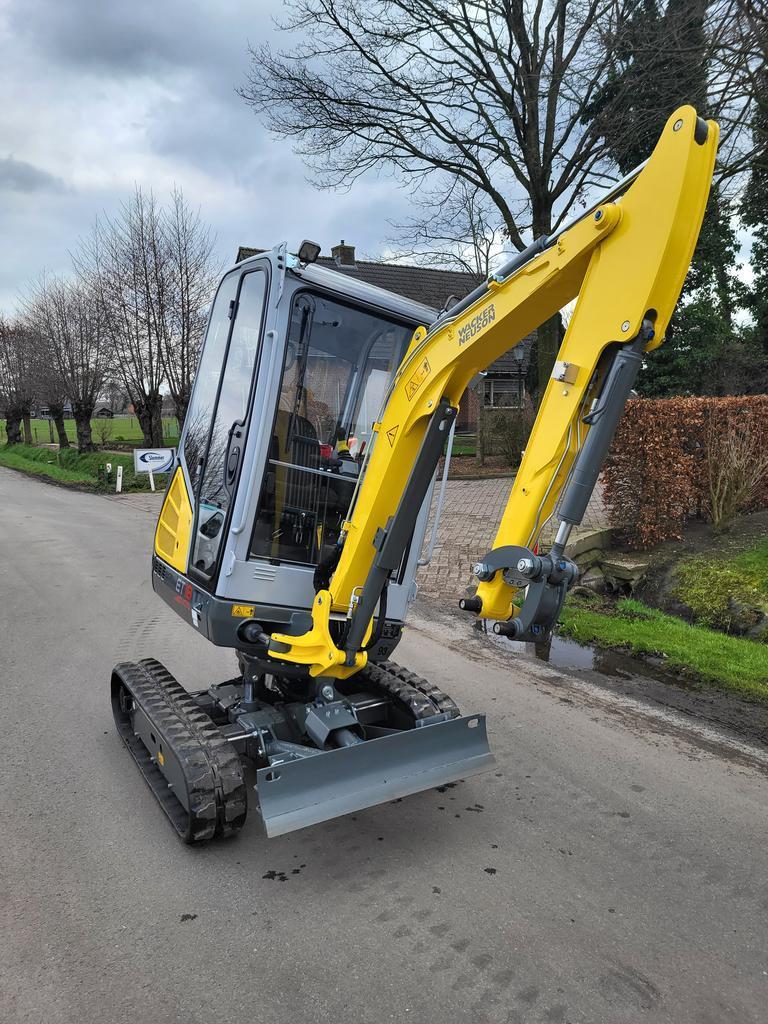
(519, 353)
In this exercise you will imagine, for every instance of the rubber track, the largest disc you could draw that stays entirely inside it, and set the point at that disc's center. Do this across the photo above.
(420, 698)
(216, 792)
(231, 791)
(441, 700)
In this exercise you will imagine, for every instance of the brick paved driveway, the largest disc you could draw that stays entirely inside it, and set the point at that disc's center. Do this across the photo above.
(468, 525)
(471, 516)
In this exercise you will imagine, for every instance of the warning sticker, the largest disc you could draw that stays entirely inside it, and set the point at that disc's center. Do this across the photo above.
(243, 611)
(392, 434)
(417, 380)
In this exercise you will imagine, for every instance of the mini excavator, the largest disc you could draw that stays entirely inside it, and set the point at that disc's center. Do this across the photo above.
(296, 512)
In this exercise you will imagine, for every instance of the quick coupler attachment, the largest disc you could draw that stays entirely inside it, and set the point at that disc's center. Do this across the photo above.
(329, 783)
(545, 579)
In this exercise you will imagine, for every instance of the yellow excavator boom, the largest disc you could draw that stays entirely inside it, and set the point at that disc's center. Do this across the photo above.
(624, 262)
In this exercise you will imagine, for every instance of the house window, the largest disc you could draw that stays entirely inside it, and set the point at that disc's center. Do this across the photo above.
(502, 394)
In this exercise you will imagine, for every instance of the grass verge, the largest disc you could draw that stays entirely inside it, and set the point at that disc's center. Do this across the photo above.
(119, 428)
(732, 663)
(70, 468)
(721, 588)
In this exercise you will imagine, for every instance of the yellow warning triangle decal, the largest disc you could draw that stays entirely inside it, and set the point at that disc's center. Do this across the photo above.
(392, 434)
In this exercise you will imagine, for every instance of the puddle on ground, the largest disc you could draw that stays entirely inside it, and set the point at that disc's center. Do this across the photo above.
(560, 652)
(646, 680)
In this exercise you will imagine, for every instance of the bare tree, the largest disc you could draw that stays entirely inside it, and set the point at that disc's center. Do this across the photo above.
(703, 52)
(737, 35)
(124, 261)
(17, 379)
(67, 316)
(496, 94)
(192, 275)
(104, 430)
(459, 233)
(50, 389)
(114, 395)
(153, 271)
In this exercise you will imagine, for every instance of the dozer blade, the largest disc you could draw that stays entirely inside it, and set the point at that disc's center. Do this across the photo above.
(300, 793)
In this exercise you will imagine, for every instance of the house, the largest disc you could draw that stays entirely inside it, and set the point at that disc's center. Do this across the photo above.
(504, 385)
(44, 413)
(103, 412)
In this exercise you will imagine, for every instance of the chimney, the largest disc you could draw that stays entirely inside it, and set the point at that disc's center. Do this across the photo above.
(344, 254)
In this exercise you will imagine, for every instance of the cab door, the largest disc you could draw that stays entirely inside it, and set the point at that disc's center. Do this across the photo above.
(215, 428)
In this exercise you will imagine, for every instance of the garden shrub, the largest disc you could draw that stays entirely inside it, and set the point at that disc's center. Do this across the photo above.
(511, 429)
(505, 432)
(674, 459)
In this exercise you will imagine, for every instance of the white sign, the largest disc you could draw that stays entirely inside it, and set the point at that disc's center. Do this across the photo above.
(153, 460)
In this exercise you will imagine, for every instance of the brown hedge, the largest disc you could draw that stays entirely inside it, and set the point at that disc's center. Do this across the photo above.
(657, 476)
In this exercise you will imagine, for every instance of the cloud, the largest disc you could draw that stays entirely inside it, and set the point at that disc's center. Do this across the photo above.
(142, 37)
(116, 94)
(20, 176)
(107, 38)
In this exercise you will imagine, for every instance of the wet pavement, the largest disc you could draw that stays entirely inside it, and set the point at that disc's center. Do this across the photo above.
(645, 680)
(610, 870)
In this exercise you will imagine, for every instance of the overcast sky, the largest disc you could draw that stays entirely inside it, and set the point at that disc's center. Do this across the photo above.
(96, 95)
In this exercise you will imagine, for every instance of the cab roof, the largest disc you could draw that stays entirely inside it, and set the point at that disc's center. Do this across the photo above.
(349, 287)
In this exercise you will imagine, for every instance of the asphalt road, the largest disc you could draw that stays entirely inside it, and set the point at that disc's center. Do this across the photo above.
(612, 869)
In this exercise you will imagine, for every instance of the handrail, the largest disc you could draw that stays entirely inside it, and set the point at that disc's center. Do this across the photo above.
(440, 501)
(327, 473)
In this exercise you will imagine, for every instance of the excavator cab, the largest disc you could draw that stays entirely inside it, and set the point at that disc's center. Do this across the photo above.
(296, 362)
(295, 366)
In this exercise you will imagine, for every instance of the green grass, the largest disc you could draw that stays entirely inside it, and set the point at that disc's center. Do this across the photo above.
(464, 444)
(732, 663)
(708, 585)
(69, 467)
(754, 565)
(119, 429)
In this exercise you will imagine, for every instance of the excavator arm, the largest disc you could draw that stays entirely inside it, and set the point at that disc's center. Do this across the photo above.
(624, 261)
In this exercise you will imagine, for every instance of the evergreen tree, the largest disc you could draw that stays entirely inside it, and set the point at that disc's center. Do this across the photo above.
(702, 339)
(754, 211)
(662, 63)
